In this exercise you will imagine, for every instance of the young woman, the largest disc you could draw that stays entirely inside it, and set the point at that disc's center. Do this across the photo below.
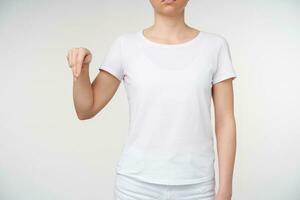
(170, 71)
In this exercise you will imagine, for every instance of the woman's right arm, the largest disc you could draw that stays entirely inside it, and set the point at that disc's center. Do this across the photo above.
(89, 98)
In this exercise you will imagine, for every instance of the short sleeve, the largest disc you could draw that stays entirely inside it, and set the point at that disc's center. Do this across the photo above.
(224, 69)
(113, 62)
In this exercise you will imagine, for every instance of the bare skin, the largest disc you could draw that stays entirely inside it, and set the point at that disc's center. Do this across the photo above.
(225, 129)
(169, 28)
(89, 98)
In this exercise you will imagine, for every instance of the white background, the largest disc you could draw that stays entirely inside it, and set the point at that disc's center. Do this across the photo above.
(46, 153)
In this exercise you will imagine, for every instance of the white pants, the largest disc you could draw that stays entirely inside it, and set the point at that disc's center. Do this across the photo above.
(128, 188)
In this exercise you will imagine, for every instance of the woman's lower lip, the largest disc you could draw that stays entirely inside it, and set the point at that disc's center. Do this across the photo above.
(168, 1)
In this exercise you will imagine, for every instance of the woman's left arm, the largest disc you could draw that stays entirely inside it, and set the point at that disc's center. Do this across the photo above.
(225, 130)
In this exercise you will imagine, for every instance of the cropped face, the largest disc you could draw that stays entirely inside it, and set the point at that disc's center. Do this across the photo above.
(169, 7)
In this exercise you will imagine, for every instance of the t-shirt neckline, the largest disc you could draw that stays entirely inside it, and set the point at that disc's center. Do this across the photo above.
(186, 43)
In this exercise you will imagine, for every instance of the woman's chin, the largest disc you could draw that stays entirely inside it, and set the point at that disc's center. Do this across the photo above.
(169, 10)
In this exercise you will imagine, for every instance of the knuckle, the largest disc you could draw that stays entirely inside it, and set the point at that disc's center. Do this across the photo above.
(79, 58)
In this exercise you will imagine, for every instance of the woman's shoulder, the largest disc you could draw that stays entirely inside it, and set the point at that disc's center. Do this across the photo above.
(128, 35)
(215, 38)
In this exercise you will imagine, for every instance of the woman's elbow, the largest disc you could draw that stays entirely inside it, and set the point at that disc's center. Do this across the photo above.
(91, 113)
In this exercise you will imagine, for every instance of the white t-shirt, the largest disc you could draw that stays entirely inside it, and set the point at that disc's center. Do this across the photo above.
(168, 86)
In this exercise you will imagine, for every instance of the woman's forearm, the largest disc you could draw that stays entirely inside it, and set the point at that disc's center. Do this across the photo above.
(226, 147)
(83, 94)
